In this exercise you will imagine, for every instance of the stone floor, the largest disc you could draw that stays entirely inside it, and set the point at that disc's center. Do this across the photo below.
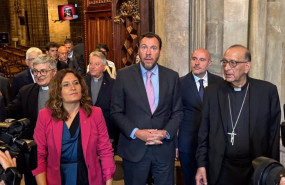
(119, 175)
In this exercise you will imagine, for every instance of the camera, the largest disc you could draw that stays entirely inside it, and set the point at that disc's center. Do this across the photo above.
(25, 151)
(268, 171)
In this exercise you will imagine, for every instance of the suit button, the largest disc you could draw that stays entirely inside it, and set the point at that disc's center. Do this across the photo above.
(151, 117)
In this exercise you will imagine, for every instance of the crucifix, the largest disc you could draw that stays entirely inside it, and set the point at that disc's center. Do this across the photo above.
(232, 137)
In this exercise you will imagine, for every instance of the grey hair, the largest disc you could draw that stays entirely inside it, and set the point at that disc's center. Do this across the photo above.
(33, 49)
(100, 55)
(43, 59)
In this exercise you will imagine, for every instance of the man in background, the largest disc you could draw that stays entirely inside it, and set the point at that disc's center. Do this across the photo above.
(100, 88)
(5, 90)
(192, 88)
(52, 50)
(62, 57)
(25, 77)
(78, 53)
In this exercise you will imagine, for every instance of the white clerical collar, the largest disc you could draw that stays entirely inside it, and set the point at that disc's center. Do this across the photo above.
(237, 89)
(45, 88)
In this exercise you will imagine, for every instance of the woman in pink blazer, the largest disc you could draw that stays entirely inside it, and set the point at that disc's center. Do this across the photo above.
(72, 138)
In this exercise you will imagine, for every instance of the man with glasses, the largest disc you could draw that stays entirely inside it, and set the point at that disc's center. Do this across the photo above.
(25, 77)
(32, 97)
(240, 121)
(192, 87)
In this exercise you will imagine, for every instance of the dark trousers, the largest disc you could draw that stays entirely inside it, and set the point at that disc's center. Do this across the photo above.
(235, 173)
(136, 173)
(30, 179)
(189, 167)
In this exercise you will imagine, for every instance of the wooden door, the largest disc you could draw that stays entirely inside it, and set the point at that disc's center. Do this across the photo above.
(98, 26)
(117, 23)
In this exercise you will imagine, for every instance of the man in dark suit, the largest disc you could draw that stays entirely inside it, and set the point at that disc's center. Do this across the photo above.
(32, 97)
(100, 88)
(192, 107)
(25, 77)
(62, 57)
(78, 54)
(240, 121)
(146, 106)
(5, 90)
(2, 109)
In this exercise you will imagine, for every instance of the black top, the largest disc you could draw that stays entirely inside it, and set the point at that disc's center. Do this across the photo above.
(61, 65)
(82, 172)
(240, 149)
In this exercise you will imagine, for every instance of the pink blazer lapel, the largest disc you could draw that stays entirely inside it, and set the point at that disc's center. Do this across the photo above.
(85, 130)
(57, 127)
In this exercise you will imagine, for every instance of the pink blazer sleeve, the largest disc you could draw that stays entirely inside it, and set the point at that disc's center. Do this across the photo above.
(40, 139)
(104, 148)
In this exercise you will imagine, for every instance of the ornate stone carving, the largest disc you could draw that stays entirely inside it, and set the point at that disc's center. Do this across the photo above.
(128, 9)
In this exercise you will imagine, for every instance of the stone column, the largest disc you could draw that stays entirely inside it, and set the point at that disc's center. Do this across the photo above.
(235, 22)
(172, 25)
(214, 34)
(257, 36)
(197, 25)
(13, 20)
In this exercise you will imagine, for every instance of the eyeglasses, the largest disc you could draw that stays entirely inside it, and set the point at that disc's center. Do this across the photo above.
(42, 72)
(232, 63)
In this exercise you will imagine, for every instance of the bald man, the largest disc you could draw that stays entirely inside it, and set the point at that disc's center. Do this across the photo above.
(192, 107)
(63, 57)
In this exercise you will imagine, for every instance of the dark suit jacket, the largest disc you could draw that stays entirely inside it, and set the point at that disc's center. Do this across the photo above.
(72, 63)
(61, 65)
(192, 108)
(5, 90)
(19, 80)
(130, 109)
(2, 110)
(78, 53)
(25, 105)
(104, 100)
(264, 125)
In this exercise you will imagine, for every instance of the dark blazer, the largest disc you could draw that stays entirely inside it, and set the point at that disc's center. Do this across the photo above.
(104, 99)
(192, 108)
(264, 125)
(19, 80)
(130, 109)
(61, 65)
(72, 63)
(5, 90)
(25, 105)
(2, 110)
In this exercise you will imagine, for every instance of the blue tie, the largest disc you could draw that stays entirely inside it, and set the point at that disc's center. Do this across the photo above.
(201, 88)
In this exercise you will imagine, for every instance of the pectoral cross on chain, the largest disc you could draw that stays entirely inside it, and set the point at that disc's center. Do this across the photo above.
(232, 137)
